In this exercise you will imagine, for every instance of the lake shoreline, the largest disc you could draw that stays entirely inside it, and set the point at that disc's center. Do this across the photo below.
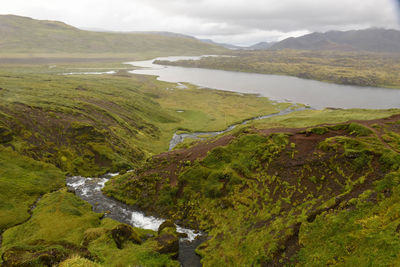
(279, 88)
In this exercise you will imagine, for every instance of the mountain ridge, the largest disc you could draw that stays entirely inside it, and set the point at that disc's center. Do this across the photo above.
(371, 40)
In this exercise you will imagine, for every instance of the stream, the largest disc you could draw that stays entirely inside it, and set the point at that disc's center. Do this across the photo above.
(89, 189)
(179, 138)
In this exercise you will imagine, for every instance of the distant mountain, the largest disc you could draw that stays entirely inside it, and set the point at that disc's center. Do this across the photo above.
(164, 33)
(229, 46)
(25, 35)
(261, 46)
(372, 40)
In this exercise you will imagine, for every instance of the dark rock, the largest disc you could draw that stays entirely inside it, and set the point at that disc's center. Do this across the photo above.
(71, 190)
(182, 235)
(123, 233)
(166, 224)
(168, 244)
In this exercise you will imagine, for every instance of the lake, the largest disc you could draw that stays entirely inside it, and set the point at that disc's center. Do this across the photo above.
(276, 87)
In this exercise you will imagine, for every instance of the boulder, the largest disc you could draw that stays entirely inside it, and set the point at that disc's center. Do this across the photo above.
(168, 244)
(166, 224)
(125, 233)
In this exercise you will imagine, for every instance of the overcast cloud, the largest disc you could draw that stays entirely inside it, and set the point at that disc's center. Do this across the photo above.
(240, 22)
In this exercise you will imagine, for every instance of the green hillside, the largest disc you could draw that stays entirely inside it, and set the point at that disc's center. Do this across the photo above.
(53, 125)
(26, 35)
(315, 196)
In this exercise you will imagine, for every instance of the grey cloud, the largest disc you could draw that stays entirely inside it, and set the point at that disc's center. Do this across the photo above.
(224, 20)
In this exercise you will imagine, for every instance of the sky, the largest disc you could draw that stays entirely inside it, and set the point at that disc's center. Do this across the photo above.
(240, 22)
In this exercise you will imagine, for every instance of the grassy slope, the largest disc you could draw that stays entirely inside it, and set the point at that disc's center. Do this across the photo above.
(363, 234)
(51, 124)
(78, 232)
(93, 124)
(309, 118)
(364, 69)
(82, 124)
(21, 35)
(22, 181)
(261, 196)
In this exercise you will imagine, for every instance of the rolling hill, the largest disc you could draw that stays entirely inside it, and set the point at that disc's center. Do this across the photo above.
(25, 35)
(260, 46)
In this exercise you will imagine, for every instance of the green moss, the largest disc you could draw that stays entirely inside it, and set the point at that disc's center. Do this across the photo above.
(359, 130)
(83, 233)
(252, 195)
(366, 236)
(309, 118)
(22, 182)
(390, 159)
(5, 135)
(318, 130)
(97, 130)
(77, 261)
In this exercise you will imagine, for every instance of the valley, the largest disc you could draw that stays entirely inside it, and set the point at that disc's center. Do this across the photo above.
(128, 149)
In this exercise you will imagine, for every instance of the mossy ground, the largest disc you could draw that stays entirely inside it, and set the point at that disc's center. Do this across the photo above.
(63, 226)
(254, 192)
(53, 125)
(22, 181)
(93, 124)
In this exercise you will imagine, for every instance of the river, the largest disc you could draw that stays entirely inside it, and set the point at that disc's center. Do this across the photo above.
(89, 189)
(276, 87)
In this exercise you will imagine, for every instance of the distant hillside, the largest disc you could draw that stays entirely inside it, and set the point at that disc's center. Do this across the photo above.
(260, 46)
(373, 40)
(257, 46)
(26, 35)
(229, 46)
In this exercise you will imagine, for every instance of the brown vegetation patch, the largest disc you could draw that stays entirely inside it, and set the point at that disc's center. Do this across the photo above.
(170, 163)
